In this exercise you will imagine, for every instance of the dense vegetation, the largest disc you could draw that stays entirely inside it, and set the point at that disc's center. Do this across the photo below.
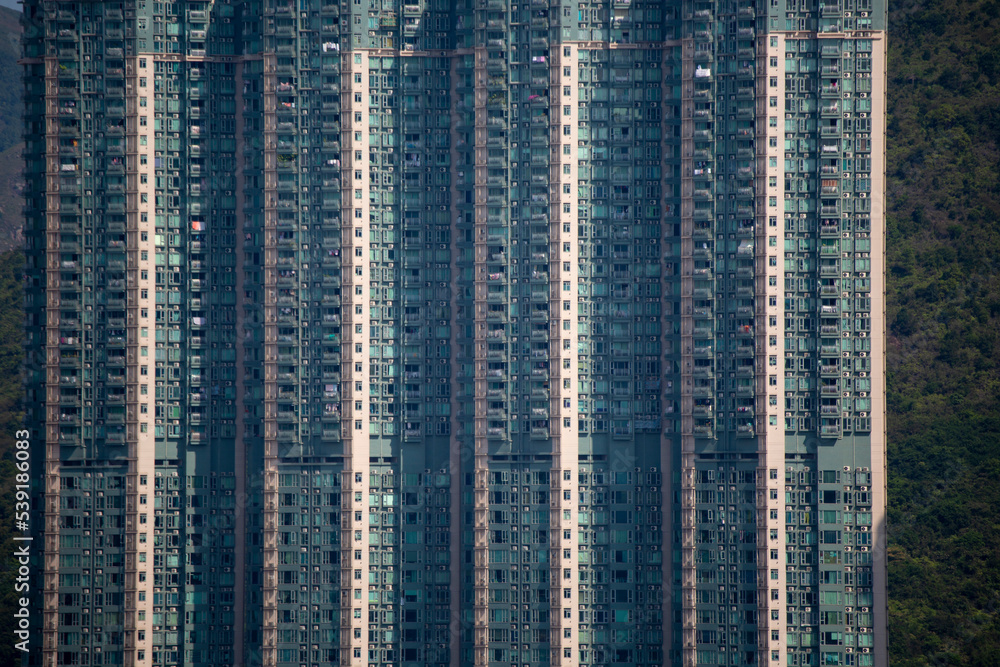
(11, 326)
(944, 332)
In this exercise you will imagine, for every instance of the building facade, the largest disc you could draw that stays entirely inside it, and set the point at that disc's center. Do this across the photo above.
(488, 332)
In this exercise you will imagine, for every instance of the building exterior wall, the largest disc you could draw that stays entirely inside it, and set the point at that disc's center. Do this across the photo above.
(491, 334)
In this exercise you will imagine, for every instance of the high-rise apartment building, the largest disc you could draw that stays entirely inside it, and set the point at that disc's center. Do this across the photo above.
(457, 332)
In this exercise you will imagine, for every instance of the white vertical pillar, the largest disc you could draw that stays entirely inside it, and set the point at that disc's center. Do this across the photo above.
(878, 435)
(269, 571)
(141, 356)
(563, 354)
(50, 566)
(768, 345)
(481, 454)
(687, 472)
(355, 232)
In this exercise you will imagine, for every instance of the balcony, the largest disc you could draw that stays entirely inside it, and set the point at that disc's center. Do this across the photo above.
(703, 372)
(702, 391)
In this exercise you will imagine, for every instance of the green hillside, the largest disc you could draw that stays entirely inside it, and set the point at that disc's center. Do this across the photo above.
(11, 323)
(944, 334)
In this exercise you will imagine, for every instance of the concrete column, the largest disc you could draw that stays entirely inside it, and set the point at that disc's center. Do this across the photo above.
(141, 355)
(50, 565)
(687, 472)
(769, 318)
(563, 353)
(878, 435)
(269, 597)
(481, 454)
(355, 233)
